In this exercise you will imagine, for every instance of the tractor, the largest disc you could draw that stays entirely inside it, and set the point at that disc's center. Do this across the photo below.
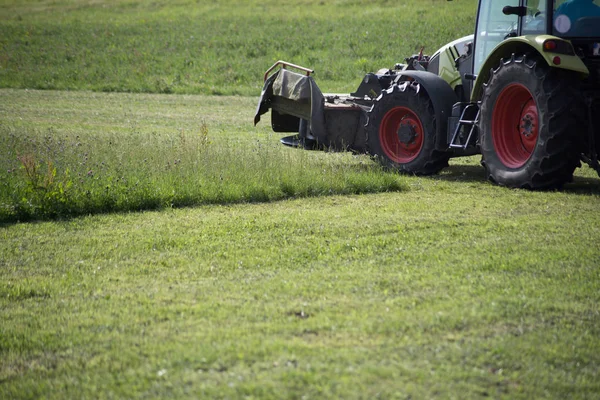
(523, 91)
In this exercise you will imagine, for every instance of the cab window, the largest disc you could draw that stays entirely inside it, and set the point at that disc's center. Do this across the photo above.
(492, 28)
(534, 22)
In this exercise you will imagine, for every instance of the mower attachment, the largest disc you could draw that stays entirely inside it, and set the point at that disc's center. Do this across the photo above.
(333, 121)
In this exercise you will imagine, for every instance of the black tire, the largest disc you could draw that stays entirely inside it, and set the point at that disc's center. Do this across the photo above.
(401, 131)
(528, 125)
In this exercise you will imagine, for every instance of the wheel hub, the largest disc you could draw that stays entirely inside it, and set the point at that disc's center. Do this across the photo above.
(407, 133)
(528, 129)
(401, 134)
(527, 126)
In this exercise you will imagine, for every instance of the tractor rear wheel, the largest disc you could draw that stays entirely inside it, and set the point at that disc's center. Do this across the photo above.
(401, 131)
(528, 125)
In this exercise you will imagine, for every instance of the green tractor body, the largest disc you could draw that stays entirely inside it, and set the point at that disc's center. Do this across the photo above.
(524, 91)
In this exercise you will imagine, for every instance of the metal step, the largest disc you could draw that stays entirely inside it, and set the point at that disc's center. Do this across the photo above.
(463, 121)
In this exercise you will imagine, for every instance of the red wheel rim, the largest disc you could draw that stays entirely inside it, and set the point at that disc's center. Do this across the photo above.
(401, 135)
(515, 125)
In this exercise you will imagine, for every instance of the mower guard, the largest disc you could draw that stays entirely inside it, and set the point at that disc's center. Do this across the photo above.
(289, 93)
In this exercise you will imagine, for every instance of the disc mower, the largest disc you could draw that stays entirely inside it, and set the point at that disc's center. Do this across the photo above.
(523, 91)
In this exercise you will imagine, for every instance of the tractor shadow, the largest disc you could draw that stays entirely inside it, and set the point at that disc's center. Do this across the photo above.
(583, 185)
(462, 173)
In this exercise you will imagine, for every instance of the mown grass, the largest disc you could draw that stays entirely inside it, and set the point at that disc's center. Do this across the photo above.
(61, 159)
(452, 289)
(214, 47)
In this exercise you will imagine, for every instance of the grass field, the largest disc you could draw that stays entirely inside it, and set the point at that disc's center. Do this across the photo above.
(447, 287)
(263, 271)
(209, 47)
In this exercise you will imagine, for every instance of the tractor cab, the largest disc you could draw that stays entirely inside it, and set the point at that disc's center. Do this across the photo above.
(576, 21)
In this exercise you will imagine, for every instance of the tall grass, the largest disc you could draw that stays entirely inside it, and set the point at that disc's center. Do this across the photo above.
(46, 175)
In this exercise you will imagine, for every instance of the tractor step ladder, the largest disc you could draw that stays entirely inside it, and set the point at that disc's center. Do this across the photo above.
(464, 121)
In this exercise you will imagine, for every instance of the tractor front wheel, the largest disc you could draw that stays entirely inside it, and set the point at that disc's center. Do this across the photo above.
(528, 124)
(401, 131)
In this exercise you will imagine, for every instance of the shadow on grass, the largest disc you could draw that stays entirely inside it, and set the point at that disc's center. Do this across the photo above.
(475, 173)
(583, 185)
(462, 173)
